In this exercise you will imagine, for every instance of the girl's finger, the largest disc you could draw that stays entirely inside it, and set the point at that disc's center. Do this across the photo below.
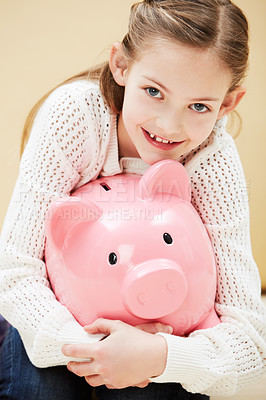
(110, 387)
(143, 384)
(79, 350)
(81, 368)
(155, 327)
(94, 380)
(101, 325)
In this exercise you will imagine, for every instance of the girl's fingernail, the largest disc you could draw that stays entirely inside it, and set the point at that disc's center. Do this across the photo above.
(169, 329)
(65, 349)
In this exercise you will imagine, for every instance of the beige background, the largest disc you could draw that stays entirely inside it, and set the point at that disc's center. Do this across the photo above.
(44, 42)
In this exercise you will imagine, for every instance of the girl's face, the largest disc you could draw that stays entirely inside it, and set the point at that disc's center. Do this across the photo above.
(173, 97)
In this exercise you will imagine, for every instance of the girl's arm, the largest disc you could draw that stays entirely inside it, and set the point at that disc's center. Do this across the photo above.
(63, 149)
(223, 359)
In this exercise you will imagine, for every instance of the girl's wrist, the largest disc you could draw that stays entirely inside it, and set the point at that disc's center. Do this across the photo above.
(160, 355)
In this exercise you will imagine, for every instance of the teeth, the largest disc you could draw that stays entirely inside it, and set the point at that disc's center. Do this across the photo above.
(158, 139)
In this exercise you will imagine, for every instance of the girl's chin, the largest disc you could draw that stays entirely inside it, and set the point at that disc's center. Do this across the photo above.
(153, 158)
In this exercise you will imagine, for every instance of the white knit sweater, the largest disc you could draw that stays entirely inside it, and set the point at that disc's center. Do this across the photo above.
(73, 140)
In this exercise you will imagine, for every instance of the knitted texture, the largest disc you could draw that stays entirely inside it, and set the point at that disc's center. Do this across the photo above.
(74, 140)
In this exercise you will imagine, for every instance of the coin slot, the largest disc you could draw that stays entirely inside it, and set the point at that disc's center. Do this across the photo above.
(105, 186)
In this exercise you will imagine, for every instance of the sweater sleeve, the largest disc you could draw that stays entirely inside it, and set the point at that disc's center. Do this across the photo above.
(221, 360)
(63, 142)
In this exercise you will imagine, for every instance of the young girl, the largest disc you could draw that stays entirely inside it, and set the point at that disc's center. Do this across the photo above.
(165, 93)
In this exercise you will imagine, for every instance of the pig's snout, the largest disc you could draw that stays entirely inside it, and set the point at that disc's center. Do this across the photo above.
(154, 289)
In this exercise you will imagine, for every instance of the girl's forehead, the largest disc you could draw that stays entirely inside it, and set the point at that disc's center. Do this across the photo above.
(189, 67)
(168, 56)
(177, 52)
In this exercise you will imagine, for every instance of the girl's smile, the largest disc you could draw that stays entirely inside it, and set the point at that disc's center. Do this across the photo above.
(159, 142)
(173, 97)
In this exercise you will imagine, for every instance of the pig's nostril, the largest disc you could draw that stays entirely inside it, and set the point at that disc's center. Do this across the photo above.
(154, 289)
(142, 298)
(171, 287)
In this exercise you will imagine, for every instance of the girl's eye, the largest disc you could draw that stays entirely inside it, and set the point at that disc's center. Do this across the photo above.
(154, 92)
(199, 107)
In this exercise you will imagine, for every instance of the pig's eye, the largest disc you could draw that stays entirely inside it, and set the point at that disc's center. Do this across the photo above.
(112, 258)
(167, 238)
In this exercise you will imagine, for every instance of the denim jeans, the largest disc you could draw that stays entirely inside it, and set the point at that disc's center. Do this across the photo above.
(3, 329)
(20, 379)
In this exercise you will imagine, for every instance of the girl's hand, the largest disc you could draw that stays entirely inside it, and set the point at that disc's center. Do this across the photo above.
(155, 327)
(127, 356)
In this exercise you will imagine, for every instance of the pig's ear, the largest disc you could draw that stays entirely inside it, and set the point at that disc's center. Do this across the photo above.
(166, 176)
(66, 212)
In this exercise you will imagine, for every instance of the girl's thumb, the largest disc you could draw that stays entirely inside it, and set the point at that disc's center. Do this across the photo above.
(101, 325)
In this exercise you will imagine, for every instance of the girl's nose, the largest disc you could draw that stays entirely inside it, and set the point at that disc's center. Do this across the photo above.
(170, 124)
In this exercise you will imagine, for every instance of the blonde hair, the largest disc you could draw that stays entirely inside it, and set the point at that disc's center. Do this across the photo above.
(218, 25)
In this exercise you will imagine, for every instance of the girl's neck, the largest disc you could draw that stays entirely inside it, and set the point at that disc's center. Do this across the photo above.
(125, 144)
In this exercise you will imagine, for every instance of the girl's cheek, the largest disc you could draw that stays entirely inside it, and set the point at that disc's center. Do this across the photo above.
(138, 113)
(200, 131)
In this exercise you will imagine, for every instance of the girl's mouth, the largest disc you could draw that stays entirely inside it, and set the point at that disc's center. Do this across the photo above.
(159, 142)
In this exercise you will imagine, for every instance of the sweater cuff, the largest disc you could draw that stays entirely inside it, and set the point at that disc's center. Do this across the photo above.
(185, 360)
(73, 333)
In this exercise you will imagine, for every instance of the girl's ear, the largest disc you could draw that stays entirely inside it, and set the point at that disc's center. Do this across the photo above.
(231, 100)
(118, 63)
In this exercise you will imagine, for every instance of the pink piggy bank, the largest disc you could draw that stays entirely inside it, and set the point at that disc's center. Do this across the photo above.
(133, 248)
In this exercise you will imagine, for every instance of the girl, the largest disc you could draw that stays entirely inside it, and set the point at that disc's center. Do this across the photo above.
(165, 93)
